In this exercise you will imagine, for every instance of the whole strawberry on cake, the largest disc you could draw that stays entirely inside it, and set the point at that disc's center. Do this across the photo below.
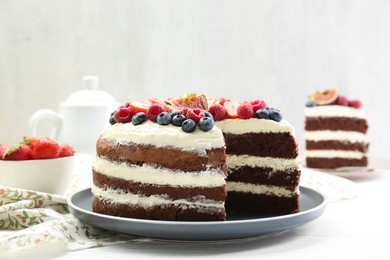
(194, 158)
(335, 131)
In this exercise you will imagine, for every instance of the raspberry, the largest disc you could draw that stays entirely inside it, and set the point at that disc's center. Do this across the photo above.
(258, 104)
(123, 115)
(66, 150)
(342, 101)
(355, 104)
(245, 110)
(45, 149)
(18, 152)
(195, 114)
(154, 110)
(184, 111)
(218, 111)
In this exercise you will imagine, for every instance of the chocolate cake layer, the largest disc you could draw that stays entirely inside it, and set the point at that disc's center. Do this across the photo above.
(166, 212)
(239, 202)
(278, 145)
(170, 158)
(265, 176)
(336, 123)
(336, 145)
(174, 193)
(332, 163)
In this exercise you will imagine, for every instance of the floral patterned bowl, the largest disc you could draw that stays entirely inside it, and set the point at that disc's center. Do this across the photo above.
(46, 175)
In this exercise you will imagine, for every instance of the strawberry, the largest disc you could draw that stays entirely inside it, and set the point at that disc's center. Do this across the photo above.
(258, 104)
(231, 109)
(195, 114)
(45, 148)
(218, 111)
(30, 141)
(18, 152)
(154, 110)
(137, 107)
(3, 149)
(245, 110)
(66, 150)
(123, 115)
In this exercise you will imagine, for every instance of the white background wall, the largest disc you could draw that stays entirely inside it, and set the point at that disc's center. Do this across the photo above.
(280, 51)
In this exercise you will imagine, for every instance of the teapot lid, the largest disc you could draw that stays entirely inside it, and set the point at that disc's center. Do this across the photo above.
(90, 95)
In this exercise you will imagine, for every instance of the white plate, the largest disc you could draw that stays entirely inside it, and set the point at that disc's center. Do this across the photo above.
(312, 205)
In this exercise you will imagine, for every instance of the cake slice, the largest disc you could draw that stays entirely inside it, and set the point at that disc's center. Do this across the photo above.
(335, 131)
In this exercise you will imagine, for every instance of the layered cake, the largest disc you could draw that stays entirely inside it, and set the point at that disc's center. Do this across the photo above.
(335, 131)
(147, 167)
(194, 159)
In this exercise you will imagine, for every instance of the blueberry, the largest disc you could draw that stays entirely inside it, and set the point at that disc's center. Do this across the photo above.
(206, 123)
(174, 113)
(178, 120)
(208, 114)
(138, 118)
(188, 125)
(112, 118)
(262, 114)
(310, 103)
(164, 118)
(275, 114)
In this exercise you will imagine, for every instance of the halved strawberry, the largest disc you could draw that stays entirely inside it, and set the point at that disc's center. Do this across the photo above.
(231, 108)
(137, 107)
(151, 101)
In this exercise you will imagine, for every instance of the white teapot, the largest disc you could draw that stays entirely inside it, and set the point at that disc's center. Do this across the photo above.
(80, 119)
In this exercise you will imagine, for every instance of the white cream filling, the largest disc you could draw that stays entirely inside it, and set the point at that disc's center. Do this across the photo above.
(159, 176)
(150, 133)
(260, 189)
(334, 111)
(328, 135)
(335, 154)
(121, 197)
(254, 125)
(236, 161)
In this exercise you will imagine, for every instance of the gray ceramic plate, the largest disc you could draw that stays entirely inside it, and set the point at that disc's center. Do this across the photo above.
(312, 205)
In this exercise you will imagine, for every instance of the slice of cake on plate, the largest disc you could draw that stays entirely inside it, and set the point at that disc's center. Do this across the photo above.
(335, 131)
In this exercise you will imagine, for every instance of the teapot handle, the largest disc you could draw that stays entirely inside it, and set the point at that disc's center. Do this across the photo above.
(45, 114)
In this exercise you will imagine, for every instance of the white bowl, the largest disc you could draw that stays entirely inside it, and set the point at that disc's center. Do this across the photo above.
(46, 175)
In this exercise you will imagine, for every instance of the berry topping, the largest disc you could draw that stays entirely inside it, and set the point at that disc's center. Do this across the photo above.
(310, 103)
(164, 118)
(231, 109)
(139, 118)
(275, 114)
(206, 123)
(123, 115)
(208, 114)
(174, 113)
(178, 120)
(18, 152)
(258, 104)
(45, 148)
(195, 114)
(245, 110)
(137, 107)
(188, 126)
(184, 111)
(262, 114)
(218, 111)
(154, 110)
(325, 98)
(66, 150)
(112, 118)
(355, 104)
(342, 101)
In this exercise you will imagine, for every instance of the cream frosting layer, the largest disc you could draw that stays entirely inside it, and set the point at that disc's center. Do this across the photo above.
(260, 189)
(335, 154)
(122, 197)
(280, 164)
(150, 133)
(160, 176)
(328, 135)
(334, 111)
(254, 125)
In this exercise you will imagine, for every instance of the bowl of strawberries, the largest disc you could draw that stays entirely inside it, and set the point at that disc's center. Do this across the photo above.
(38, 164)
